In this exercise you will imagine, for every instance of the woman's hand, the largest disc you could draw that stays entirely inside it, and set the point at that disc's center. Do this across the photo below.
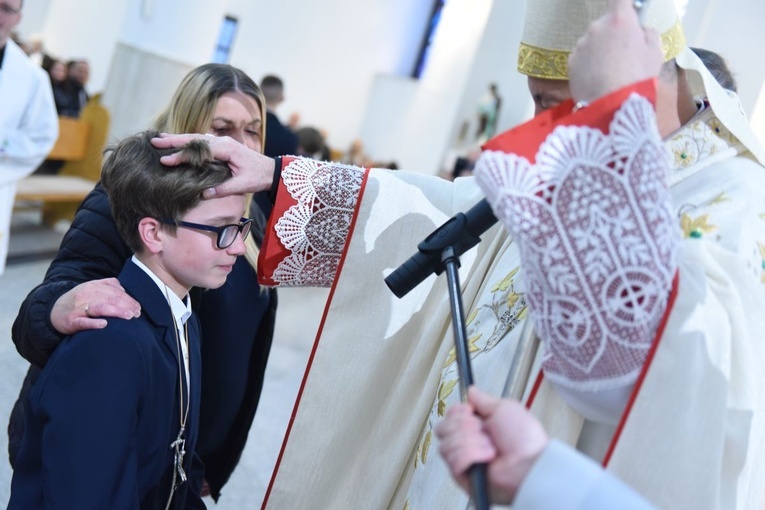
(86, 305)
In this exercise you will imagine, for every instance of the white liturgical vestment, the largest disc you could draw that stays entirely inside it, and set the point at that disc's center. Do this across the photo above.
(28, 129)
(382, 371)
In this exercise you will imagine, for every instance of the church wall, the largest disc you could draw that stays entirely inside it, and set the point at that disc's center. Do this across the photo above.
(180, 30)
(414, 126)
(33, 18)
(159, 42)
(734, 29)
(346, 62)
(495, 62)
(139, 86)
(87, 29)
(328, 53)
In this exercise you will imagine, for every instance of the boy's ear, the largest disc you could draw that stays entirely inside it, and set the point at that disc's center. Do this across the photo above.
(151, 234)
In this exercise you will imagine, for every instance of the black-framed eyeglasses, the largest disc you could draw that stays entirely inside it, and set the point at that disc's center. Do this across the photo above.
(226, 233)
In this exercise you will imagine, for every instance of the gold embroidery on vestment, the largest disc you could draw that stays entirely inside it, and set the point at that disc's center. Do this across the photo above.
(505, 308)
(696, 227)
(762, 255)
(552, 64)
(722, 197)
(444, 390)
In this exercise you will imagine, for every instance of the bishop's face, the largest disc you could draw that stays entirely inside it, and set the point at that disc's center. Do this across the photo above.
(10, 15)
(547, 93)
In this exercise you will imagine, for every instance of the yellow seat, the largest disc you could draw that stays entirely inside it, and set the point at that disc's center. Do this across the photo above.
(96, 118)
(72, 139)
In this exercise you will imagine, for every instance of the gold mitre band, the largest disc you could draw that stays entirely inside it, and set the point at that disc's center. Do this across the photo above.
(553, 27)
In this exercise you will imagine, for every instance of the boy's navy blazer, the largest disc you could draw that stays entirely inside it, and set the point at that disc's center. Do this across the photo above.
(104, 411)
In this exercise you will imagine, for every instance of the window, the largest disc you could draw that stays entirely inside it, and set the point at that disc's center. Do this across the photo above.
(427, 41)
(225, 40)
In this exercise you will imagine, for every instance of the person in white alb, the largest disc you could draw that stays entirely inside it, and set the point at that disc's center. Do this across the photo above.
(28, 119)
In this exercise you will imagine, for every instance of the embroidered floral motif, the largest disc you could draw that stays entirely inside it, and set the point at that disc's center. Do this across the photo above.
(598, 238)
(720, 130)
(719, 199)
(472, 347)
(502, 312)
(316, 229)
(700, 139)
(685, 154)
(444, 390)
(695, 228)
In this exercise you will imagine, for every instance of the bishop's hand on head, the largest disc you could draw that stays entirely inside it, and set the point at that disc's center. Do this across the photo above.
(252, 171)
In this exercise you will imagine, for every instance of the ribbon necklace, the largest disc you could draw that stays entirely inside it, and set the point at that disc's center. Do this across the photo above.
(179, 445)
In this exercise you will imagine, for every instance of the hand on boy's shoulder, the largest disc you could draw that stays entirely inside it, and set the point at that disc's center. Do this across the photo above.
(87, 306)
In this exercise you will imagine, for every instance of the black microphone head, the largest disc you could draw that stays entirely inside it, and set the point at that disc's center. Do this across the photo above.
(461, 233)
(410, 274)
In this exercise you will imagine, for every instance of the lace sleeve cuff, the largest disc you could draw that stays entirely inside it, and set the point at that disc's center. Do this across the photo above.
(592, 214)
(310, 223)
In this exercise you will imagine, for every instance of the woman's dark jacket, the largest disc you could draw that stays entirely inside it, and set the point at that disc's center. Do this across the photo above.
(237, 329)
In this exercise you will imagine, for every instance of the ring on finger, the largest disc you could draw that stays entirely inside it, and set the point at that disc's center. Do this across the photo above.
(87, 306)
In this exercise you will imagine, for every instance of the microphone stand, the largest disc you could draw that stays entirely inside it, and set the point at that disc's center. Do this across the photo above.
(440, 251)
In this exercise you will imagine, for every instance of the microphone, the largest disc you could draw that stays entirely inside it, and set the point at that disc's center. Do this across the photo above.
(460, 233)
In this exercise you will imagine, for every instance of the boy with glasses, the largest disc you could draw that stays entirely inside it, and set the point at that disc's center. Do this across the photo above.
(112, 421)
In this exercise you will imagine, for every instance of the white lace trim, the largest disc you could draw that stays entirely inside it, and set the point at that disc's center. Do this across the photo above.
(598, 241)
(316, 229)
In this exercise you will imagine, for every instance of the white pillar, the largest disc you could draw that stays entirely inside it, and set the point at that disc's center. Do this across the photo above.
(86, 29)
(179, 30)
(159, 42)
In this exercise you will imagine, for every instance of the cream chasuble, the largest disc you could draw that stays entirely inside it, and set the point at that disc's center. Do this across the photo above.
(382, 370)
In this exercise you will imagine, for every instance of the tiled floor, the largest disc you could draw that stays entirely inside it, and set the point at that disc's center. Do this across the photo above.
(298, 316)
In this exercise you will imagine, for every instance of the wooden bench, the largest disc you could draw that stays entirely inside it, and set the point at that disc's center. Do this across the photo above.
(53, 188)
(36, 191)
(80, 145)
(72, 142)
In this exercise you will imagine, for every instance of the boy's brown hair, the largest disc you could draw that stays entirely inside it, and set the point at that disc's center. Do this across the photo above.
(140, 186)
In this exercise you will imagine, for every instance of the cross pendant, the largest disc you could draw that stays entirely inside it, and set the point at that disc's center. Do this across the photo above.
(180, 451)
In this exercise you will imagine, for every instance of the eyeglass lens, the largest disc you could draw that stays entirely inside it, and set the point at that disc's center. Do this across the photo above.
(228, 234)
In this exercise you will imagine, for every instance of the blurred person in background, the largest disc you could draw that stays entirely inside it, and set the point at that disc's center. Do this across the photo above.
(28, 121)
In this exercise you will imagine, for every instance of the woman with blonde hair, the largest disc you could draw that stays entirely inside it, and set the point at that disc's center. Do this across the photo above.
(79, 290)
